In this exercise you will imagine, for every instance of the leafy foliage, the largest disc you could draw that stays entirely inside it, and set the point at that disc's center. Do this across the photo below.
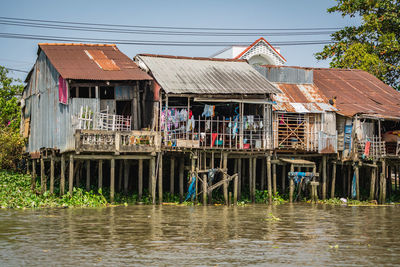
(11, 144)
(374, 45)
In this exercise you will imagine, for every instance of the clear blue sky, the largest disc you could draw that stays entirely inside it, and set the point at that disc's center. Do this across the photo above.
(21, 54)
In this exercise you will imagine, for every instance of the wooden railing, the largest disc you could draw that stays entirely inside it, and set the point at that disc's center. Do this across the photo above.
(377, 148)
(115, 141)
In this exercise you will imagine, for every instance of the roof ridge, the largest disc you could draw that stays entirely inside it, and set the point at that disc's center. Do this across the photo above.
(193, 58)
(76, 44)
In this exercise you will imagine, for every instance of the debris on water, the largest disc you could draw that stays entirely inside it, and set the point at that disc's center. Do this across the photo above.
(272, 217)
(344, 200)
(335, 246)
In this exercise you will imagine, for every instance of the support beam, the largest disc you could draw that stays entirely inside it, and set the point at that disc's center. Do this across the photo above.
(88, 175)
(160, 179)
(291, 187)
(225, 166)
(126, 176)
(71, 174)
(372, 185)
(140, 178)
(172, 176)
(100, 181)
(33, 175)
(112, 180)
(269, 178)
(42, 176)
(62, 178)
(333, 180)
(52, 174)
(181, 172)
(324, 177)
(153, 179)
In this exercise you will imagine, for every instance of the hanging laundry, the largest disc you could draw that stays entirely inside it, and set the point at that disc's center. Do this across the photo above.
(208, 111)
(183, 114)
(214, 137)
(208, 125)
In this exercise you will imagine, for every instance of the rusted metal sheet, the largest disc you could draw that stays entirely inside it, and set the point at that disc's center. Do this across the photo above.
(184, 75)
(358, 92)
(92, 62)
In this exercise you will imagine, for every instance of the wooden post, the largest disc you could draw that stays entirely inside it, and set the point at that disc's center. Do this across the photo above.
(357, 173)
(254, 178)
(235, 183)
(274, 177)
(150, 178)
(88, 175)
(153, 179)
(28, 171)
(160, 179)
(52, 174)
(291, 182)
(333, 180)
(239, 183)
(62, 178)
(181, 172)
(33, 175)
(204, 189)
(140, 178)
(324, 177)
(283, 178)
(251, 178)
(382, 184)
(314, 184)
(349, 181)
(212, 167)
(269, 179)
(100, 182)
(42, 176)
(389, 181)
(77, 174)
(263, 177)
(71, 174)
(225, 166)
(126, 176)
(120, 169)
(372, 185)
(172, 176)
(112, 180)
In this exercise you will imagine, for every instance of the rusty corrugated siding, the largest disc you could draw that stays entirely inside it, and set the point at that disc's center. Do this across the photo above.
(183, 75)
(72, 62)
(358, 92)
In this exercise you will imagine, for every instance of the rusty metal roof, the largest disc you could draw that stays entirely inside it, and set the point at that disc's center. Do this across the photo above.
(92, 62)
(180, 75)
(358, 92)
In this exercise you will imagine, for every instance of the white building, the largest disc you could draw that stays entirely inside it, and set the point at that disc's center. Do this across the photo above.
(258, 53)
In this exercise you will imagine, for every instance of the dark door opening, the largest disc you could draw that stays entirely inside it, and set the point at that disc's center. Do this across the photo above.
(124, 108)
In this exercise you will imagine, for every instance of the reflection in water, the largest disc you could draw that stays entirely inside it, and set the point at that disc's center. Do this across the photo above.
(179, 235)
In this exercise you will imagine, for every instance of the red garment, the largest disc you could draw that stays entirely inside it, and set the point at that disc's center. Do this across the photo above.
(190, 114)
(62, 90)
(213, 138)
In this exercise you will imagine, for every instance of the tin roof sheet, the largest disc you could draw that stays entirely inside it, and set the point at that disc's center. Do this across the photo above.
(358, 92)
(179, 75)
(92, 62)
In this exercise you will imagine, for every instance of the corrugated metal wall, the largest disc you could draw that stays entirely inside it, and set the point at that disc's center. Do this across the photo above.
(51, 123)
(286, 75)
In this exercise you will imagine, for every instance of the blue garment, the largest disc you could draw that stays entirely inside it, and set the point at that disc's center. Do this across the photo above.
(353, 187)
(192, 188)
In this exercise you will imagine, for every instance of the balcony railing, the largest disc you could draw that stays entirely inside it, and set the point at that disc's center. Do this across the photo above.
(371, 148)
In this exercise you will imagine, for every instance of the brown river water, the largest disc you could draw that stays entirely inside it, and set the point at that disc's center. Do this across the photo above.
(282, 235)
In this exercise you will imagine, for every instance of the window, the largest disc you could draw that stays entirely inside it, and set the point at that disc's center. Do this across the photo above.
(82, 92)
(106, 92)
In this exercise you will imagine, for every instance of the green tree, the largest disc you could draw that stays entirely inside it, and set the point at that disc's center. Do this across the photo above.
(374, 45)
(11, 144)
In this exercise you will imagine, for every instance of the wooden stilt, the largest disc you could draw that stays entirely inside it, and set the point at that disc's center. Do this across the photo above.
(254, 178)
(160, 179)
(314, 185)
(88, 175)
(181, 172)
(239, 182)
(172, 176)
(33, 175)
(62, 178)
(333, 180)
(269, 179)
(274, 177)
(357, 174)
(389, 181)
(291, 182)
(153, 179)
(112, 180)
(126, 176)
(140, 179)
(343, 175)
(212, 167)
(348, 181)
(225, 166)
(372, 185)
(263, 177)
(42, 176)
(71, 174)
(324, 177)
(235, 182)
(100, 181)
(28, 171)
(382, 184)
(77, 173)
(251, 178)
(52, 174)
(204, 189)
(283, 178)
(120, 169)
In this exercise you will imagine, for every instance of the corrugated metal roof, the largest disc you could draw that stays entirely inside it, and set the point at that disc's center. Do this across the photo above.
(302, 107)
(205, 76)
(358, 92)
(83, 62)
